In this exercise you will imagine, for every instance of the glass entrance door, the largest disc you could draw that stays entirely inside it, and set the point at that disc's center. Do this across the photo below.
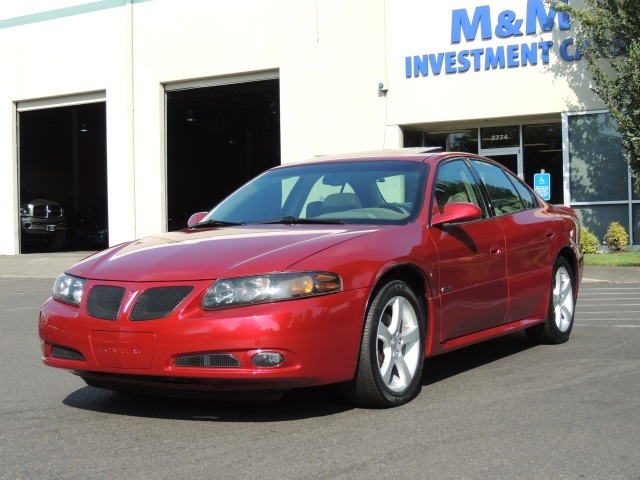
(502, 144)
(510, 158)
(509, 161)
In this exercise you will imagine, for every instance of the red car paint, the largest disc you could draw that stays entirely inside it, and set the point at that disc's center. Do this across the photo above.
(479, 278)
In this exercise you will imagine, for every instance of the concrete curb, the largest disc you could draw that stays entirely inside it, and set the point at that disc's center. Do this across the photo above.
(595, 280)
(611, 275)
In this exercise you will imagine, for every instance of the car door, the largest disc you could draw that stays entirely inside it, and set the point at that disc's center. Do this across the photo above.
(530, 233)
(471, 258)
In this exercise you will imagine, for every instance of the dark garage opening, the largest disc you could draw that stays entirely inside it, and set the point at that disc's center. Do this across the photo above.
(218, 138)
(63, 163)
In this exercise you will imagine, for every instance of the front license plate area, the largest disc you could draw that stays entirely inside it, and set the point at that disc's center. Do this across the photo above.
(123, 349)
(51, 228)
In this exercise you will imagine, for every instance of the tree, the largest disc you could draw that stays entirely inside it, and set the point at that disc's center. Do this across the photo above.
(609, 34)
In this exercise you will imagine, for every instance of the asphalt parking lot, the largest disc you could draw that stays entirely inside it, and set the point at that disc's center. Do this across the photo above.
(502, 409)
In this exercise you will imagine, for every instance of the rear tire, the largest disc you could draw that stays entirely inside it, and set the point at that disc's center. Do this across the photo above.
(392, 350)
(557, 327)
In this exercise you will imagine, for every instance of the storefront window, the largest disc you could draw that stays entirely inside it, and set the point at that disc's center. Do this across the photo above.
(598, 171)
(636, 223)
(500, 137)
(412, 138)
(543, 151)
(453, 141)
(598, 217)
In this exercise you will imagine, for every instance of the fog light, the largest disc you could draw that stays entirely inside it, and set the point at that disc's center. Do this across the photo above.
(267, 359)
(44, 351)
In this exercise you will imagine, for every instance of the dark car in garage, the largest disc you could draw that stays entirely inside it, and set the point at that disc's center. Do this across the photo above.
(42, 222)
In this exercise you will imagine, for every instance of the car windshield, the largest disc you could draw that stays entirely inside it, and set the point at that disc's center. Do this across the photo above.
(362, 192)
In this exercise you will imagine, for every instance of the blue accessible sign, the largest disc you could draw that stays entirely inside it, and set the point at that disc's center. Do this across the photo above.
(542, 185)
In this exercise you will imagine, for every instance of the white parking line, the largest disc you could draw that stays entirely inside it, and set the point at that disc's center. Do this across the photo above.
(602, 307)
(611, 287)
(607, 326)
(613, 319)
(607, 291)
(19, 309)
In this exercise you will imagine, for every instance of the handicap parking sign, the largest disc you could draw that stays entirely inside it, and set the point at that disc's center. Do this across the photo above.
(542, 185)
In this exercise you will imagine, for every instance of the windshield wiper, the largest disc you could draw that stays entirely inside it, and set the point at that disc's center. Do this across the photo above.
(216, 223)
(290, 219)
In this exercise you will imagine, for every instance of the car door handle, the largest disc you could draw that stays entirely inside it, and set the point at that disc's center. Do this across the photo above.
(549, 233)
(496, 249)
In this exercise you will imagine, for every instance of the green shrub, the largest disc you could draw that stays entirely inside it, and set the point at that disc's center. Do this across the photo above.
(616, 237)
(588, 241)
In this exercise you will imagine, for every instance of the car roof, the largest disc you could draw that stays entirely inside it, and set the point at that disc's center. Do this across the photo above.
(419, 154)
(394, 152)
(431, 155)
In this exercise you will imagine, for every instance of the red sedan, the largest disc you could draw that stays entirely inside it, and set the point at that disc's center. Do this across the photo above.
(348, 270)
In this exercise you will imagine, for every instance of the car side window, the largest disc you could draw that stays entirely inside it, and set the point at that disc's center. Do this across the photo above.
(527, 197)
(456, 183)
(503, 195)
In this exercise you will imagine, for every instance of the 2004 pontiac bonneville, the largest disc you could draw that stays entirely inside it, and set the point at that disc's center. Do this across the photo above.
(348, 270)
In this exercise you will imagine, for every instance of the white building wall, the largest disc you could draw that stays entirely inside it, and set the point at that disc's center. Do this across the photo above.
(51, 59)
(328, 54)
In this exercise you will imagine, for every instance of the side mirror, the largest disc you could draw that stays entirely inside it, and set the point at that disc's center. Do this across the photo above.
(457, 212)
(195, 218)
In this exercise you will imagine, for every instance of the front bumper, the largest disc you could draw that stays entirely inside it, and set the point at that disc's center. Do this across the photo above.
(33, 226)
(319, 338)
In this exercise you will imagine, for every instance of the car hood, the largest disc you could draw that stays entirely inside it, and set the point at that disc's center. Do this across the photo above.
(214, 253)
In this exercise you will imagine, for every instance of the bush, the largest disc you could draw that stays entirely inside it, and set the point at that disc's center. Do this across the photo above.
(616, 237)
(588, 241)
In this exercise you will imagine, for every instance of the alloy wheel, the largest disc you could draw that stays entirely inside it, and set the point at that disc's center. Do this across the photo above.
(563, 304)
(398, 343)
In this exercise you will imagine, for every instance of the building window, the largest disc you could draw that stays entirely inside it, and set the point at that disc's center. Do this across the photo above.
(595, 157)
(598, 217)
(463, 140)
(542, 147)
(412, 138)
(600, 185)
(500, 137)
(636, 223)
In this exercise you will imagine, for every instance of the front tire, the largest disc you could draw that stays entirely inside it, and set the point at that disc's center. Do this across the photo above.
(392, 351)
(557, 327)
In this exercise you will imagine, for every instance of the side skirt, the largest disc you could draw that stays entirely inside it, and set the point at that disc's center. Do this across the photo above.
(477, 337)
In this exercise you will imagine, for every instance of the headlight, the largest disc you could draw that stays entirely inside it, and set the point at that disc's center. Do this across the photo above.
(69, 289)
(233, 292)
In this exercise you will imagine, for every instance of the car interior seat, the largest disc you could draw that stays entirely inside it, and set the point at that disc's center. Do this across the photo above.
(313, 209)
(338, 202)
(458, 197)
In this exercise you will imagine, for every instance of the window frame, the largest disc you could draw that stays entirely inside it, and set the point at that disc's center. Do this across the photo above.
(474, 179)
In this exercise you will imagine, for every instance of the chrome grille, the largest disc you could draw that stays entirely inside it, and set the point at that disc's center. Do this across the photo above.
(66, 353)
(219, 360)
(47, 211)
(158, 302)
(104, 301)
